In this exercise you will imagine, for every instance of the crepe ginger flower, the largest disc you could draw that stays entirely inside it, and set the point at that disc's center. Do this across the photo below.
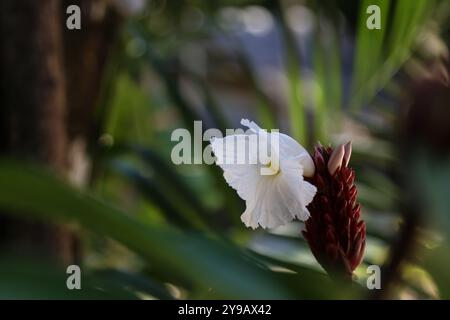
(335, 233)
(267, 170)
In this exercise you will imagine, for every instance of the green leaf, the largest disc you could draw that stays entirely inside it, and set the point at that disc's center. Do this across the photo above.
(31, 279)
(378, 57)
(215, 268)
(133, 282)
(369, 45)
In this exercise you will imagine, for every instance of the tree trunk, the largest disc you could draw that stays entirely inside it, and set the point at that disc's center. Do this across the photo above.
(50, 84)
(33, 112)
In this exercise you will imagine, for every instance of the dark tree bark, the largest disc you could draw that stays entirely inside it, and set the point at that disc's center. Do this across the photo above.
(50, 84)
(33, 112)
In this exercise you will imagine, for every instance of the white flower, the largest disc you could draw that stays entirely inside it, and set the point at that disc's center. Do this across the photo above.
(274, 189)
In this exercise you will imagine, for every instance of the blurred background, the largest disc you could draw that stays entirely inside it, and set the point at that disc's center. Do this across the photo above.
(86, 118)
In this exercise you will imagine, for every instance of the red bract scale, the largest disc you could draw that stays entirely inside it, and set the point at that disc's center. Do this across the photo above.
(334, 231)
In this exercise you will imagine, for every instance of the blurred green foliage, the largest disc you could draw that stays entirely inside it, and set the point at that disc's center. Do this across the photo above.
(180, 61)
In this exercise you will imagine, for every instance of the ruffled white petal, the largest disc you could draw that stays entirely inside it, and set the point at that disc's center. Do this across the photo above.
(299, 193)
(251, 125)
(241, 177)
(279, 200)
(288, 147)
(271, 200)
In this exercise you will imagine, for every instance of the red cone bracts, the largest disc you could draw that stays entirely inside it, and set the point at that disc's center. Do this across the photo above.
(334, 231)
